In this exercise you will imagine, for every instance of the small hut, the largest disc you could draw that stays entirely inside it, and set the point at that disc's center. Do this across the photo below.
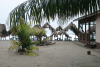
(55, 35)
(47, 25)
(3, 32)
(63, 32)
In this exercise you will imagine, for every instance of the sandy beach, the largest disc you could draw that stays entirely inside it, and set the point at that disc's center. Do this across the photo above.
(61, 54)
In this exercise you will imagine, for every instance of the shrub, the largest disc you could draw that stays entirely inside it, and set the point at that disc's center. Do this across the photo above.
(47, 39)
(15, 45)
(37, 42)
(30, 51)
(23, 32)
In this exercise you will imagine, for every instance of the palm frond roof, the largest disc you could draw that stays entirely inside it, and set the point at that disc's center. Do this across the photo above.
(59, 28)
(46, 25)
(3, 31)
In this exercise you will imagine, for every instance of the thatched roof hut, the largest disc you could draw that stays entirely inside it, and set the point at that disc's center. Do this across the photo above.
(47, 25)
(63, 32)
(59, 28)
(3, 31)
(92, 29)
(55, 34)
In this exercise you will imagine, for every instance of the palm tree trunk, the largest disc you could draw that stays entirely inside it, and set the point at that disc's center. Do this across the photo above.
(22, 46)
(62, 37)
(40, 39)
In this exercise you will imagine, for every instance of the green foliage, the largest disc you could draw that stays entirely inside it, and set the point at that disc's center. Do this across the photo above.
(15, 45)
(23, 32)
(47, 39)
(30, 51)
(69, 8)
(31, 47)
(37, 42)
(38, 32)
(14, 30)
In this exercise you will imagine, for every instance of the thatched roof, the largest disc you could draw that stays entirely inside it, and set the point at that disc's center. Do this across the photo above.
(92, 29)
(69, 26)
(2, 27)
(59, 28)
(2, 30)
(38, 26)
(46, 25)
(61, 32)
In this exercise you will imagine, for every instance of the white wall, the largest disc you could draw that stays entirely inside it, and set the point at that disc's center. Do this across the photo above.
(98, 29)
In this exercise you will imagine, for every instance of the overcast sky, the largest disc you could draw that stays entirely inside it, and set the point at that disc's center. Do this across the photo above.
(6, 6)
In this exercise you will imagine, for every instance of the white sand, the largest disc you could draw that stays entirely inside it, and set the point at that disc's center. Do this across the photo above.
(62, 54)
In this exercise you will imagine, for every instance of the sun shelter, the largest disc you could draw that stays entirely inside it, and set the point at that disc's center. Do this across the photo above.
(63, 33)
(3, 32)
(72, 27)
(55, 35)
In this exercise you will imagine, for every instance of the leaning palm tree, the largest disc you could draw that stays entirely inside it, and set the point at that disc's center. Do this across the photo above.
(36, 10)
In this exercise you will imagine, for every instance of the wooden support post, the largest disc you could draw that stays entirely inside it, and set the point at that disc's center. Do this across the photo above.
(89, 32)
(85, 27)
(82, 27)
(78, 25)
(78, 30)
(62, 37)
(54, 38)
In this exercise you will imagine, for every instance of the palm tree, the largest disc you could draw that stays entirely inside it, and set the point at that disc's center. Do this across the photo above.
(32, 9)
